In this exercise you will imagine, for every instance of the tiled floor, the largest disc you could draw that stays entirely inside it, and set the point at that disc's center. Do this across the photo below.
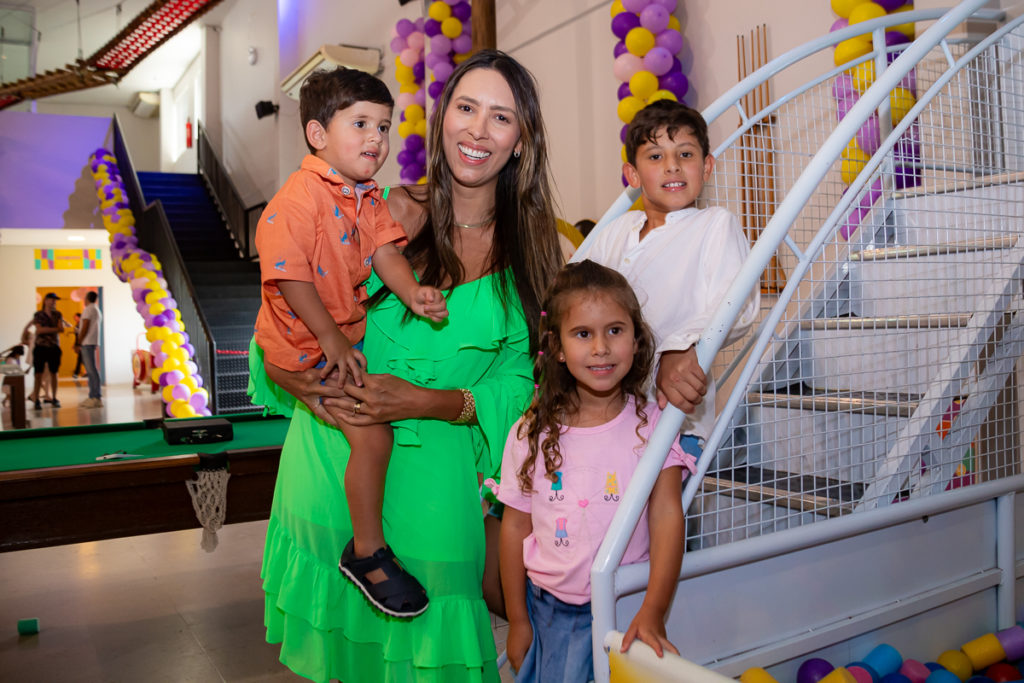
(147, 608)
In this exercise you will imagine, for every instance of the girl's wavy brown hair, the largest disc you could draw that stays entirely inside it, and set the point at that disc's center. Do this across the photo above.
(556, 399)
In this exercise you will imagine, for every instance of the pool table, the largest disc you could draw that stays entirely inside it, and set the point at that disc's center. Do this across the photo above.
(54, 491)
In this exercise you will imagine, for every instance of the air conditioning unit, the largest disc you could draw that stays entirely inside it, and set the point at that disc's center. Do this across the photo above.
(369, 59)
(145, 105)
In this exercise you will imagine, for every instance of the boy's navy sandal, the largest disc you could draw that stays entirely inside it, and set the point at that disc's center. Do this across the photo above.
(399, 595)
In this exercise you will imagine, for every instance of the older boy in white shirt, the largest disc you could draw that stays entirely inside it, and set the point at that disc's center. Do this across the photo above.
(679, 259)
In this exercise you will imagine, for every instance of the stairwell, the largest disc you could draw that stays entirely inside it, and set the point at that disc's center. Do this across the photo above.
(227, 286)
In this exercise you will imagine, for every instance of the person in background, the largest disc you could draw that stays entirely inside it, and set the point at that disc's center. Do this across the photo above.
(79, 369)
(87, 345)
(585, 225)
(46, 353)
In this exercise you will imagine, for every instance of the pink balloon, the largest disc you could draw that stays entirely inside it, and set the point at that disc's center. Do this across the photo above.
(155, 347)
(635, 6)
(159, 358)
(180, 392)
(197, 401)
(658, 61)
(409, 56)
(626, 65)
(838, 24)
(420, 96)
(462, 44)
(670, 39)
(415, 40)
(842, 88)
(398, 44)
(403, 100)
(654, 18)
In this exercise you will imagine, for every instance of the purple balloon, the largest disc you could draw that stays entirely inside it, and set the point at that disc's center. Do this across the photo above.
(670, 39)
(398, 44)
(624, 91)
(443, 70)
(910, 82)
(623, 23)
(843, 108)
(462, 43)
(403, 157)
(622, 133)
(658, 61)
(189, 349)
(869, 135)
(419, 23)
(441, 43)
(197, 401)
(404, 27)
(895, 38)
(890, 5)
(414, 142)
(418, 71)
(199, 381)
(421, 158)
(838, 24)
(842, 88)
(635, 5)
(434, 58)
(192, 367)
(434, 89)
(670, 5)
(180, 392)
(813, 670)
(676, 83)
(654, 18)
(431, 27)
(420, 97)
(461, 11)
(676, 65)
(905, 175)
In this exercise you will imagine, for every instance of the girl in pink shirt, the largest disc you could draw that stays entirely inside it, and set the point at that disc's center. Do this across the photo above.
(567, 463)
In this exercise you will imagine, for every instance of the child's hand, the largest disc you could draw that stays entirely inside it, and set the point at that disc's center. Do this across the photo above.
(429, 302)
(649, 628)
(517, 644)
(338, 353)
(680, 380)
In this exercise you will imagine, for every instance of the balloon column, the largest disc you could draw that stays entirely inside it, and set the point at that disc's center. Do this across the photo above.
(407, 44)
(850, 84)
(645, 57)
(174, 370)
(448, 30)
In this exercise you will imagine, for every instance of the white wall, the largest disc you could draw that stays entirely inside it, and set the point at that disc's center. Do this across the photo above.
(141, 135)
(19, 279)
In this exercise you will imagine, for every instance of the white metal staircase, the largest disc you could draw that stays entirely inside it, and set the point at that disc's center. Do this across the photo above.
(884, 373)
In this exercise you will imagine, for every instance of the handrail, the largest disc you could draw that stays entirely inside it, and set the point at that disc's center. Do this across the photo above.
(634, 499)
(127, 169)
(241, 220)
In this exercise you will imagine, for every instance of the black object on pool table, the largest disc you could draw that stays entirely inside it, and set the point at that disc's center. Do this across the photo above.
(197, 431)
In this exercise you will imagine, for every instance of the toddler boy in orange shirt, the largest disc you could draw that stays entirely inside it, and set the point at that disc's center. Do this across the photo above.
(317, 240)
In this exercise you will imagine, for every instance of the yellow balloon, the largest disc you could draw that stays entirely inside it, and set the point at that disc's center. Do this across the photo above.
(865, 11)
(844, 7)
(172, 364)
(451, 27)
(863, 76)
(756, 675)
(460, 57)
(900, 102)
(851, 49)
(155, 295)
(662, 95)
(643, 84)
(854, 160)
(906, 29)
(190, 382)
(152, 334)
(168, 347)
(625, 159)
(156, 309)
(639, 41)
(179, 354)
(414, 113)
(628, 107)
(638, 205)
(404, 75)
(176, 337)
(167, 393)
(674, 23)
(439, 11)
(182, 408)
(421, 128)
(617, 7)
(405, 129)
(408, 87)
(422, 180)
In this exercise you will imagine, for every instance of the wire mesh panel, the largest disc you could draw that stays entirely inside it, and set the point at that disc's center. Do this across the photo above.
(892, 372)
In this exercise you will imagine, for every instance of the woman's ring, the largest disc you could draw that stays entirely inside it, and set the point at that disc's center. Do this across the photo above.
(356, 407)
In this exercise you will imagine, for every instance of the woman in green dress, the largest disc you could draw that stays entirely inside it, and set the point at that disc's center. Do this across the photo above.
(483, 230)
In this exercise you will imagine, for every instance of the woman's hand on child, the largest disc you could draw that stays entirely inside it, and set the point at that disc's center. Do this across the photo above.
(517, 644)
(428, 302)
(306, 386)
(680, 380)
(381, 399)
(649, 628)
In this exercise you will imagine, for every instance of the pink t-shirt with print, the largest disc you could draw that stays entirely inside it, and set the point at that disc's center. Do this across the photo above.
(570, 515)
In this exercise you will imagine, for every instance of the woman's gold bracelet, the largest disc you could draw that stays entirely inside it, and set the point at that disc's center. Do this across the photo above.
(468, 408)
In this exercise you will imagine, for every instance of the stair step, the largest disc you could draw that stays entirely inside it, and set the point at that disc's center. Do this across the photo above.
(895, 322)
(860, 402)
(805, 493)
(886, 253)
(233, 291)
(962, 185)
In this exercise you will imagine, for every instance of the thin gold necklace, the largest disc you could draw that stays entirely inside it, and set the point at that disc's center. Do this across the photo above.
(473, 226)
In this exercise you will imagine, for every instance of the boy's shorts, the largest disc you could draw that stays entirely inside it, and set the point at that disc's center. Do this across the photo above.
(562, 647)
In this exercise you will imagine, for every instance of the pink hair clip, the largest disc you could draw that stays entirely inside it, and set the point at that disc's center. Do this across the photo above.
(540, 353)
(543, 313)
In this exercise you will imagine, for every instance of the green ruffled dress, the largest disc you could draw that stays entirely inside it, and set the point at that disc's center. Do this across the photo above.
(432, 515)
